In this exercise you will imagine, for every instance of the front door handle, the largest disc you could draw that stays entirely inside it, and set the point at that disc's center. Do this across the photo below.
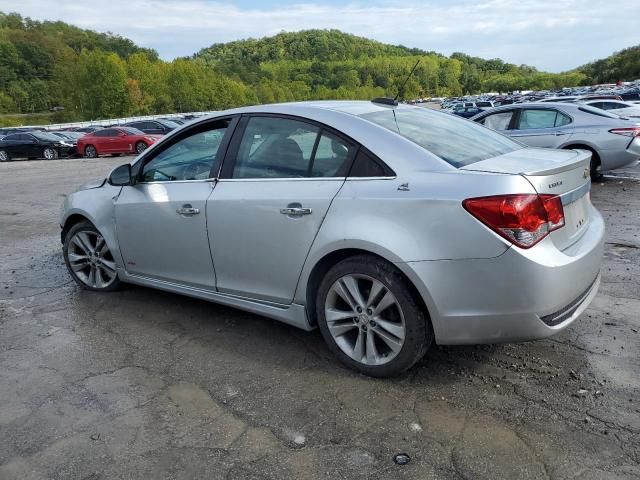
(295, 211)
(187, 210)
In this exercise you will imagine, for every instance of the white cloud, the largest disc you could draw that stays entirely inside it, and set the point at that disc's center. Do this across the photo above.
(552, 35)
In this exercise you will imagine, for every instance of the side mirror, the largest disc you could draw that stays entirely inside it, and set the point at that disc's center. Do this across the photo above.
(121, 176)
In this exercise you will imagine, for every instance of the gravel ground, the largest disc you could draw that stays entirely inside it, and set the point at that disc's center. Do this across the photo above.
(145, 384)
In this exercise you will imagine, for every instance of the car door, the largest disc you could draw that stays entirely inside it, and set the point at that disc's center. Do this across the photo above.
(542, 127)
(120, 142)
(161, 221)
(104, 140)
(277, 184)
(15, 145)
(31, 145)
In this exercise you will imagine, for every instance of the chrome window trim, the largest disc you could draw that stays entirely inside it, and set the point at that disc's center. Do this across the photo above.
(281, 179)
(177, 181)
(370, 178)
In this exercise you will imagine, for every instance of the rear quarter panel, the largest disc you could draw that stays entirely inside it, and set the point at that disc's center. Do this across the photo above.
(427, 222)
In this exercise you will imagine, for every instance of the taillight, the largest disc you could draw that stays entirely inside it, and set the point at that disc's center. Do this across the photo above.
(523, 219)
(627, 132)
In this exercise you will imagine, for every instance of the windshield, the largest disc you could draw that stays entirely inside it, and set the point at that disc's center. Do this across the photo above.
(457, 141)
(169, 123)
(47, 137)
(132, 131)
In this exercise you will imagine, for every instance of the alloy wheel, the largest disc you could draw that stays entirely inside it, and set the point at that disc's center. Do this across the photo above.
(365, 319)
(90, 152)
(49, 153)
(90, 259)
(4, 156)
(141, 147)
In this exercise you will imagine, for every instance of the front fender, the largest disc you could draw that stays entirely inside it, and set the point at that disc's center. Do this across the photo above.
(97, 206)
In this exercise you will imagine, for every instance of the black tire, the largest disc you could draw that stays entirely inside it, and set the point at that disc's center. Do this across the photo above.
(140, 147)
(596, 172)
(5, 156)
(85, 226)
(49, 153)
(418, 330)
(90, 151)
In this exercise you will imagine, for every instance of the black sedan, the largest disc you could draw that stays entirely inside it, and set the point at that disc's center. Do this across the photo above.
(34, 144)
(156, 127)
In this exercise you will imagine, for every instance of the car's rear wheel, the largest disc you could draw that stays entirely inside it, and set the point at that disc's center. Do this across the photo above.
(50, 153)
(4, 156)
(89, 259)
(370, 318)
(140, 147)
(90, 151)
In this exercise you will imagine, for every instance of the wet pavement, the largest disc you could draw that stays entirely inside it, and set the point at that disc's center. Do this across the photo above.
(145, 384)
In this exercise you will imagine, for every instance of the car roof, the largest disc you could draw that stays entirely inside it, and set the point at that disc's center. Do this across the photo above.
(344, 117)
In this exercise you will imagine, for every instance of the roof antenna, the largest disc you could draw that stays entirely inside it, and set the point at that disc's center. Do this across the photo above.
(401, 89)
(394, 101)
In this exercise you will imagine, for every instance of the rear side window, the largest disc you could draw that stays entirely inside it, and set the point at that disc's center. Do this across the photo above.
(562, 119)
(331, 156)
(366, 165)
(457, 141)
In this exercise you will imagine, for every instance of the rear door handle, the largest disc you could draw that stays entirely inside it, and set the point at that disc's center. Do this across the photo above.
(295, 211)
(561, 133)
(187, 210)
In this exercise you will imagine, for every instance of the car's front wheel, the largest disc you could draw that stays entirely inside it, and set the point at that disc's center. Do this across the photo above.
(370, 317)
(89, 259)
(4, 156)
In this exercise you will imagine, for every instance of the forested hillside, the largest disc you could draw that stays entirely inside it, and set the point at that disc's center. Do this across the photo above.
(333, 64)
(622, 65)
(95, 75)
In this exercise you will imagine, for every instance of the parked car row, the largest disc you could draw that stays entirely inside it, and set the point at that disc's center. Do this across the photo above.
(90, 141)
(629, 92)
(34, 144)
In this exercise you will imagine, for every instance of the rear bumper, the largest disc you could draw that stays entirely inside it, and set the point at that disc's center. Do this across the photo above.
(612, 159)
(520, 295)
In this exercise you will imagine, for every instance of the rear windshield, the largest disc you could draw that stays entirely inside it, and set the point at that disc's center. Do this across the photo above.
(48, 137)
(132, 131)
(457, 141)
(597, 111)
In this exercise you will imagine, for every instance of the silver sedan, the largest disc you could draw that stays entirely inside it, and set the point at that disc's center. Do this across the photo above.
(388, 227)
(613, 141)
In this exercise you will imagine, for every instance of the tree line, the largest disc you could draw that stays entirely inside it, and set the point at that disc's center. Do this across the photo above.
(101, 75)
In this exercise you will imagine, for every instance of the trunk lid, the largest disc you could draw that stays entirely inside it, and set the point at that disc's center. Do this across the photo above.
(558, 172)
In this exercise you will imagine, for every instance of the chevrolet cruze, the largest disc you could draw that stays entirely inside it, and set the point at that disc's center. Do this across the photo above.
(386, 226)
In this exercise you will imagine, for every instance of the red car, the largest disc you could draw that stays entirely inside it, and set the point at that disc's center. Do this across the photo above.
(115, 141)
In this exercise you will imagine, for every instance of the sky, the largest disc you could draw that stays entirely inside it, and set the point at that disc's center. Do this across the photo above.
(551, 35)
